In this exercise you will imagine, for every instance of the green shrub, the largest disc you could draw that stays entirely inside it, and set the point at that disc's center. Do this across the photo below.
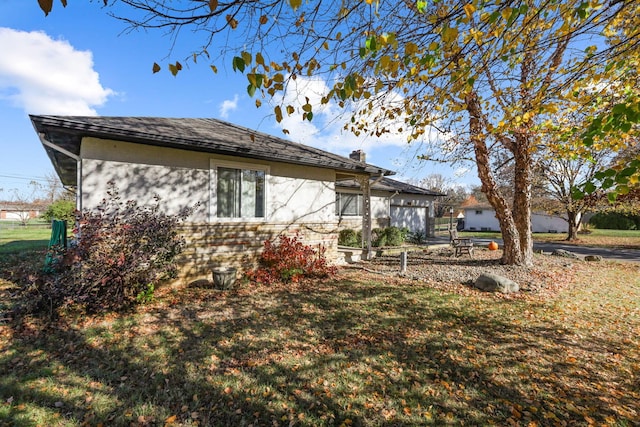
(145, 296)
(388, 236)
(62, 210)
(378, 237)
(399, 237)
(615, 221)
(350, 238)
(417, 237)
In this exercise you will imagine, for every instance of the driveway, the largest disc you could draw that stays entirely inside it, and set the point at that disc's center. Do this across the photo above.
(626, 255)
(622, 254)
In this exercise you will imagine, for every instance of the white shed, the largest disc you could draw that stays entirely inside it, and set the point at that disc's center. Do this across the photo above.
(483, 218)
(480, 218)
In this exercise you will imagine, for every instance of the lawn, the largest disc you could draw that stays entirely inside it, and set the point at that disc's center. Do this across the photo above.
(362, 349)
(18, 239)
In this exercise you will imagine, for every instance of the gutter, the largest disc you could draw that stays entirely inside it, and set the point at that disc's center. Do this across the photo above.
(75, 157)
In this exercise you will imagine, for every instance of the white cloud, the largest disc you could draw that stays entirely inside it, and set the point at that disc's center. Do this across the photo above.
(228, 106)
(46, 76)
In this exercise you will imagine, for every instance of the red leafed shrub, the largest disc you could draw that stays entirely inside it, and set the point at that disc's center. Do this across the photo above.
(123, 251)
(289, 260)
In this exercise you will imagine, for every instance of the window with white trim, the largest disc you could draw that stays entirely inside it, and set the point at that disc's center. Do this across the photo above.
(348, 204)
(239, 191)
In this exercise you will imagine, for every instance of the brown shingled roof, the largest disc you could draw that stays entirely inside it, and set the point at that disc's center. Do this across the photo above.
(194, 134)
(390, 185)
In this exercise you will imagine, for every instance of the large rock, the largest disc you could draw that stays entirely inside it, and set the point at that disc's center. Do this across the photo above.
(565, 254)
(494, 283)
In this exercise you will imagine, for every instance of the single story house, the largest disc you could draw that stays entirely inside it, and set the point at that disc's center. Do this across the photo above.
(251, 186)
(12, 211)
(483, 218)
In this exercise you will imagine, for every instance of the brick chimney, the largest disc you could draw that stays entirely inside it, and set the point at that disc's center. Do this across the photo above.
(358, 156)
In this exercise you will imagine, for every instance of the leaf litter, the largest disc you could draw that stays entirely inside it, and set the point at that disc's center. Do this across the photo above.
(364, 349)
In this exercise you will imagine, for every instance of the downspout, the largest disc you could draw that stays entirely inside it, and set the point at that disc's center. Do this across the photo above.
(79, 184)
(378, 179)
(78, 160)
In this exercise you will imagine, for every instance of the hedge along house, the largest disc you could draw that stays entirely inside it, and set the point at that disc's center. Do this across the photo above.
(251, 186)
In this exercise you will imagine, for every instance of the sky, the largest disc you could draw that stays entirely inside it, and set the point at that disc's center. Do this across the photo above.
(80, 61)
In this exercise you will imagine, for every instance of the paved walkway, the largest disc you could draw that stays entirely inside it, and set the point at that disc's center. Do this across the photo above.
(625, 255)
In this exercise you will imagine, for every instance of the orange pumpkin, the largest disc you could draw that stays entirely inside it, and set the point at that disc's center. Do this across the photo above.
(493, 246)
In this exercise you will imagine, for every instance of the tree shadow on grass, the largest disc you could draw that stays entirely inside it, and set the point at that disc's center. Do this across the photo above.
(21, 246)
(339, 353)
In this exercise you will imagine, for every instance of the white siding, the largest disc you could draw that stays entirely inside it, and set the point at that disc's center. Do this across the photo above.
(379, 207)
(300, 193)
(481, 219)
(182, 178)
(413, 218)
(541, 223)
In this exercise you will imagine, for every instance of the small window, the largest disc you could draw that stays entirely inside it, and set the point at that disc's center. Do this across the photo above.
(478, 212)
(240, 193)
(348, 204)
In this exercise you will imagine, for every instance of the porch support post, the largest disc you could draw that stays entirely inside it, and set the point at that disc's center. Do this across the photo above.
(366, 215)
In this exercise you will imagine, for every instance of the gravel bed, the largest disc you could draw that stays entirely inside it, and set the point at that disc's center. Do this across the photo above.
(440, 267)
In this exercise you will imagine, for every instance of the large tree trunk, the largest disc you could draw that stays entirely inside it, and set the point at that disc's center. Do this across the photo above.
(512, 253)
(572, 218)
(522, 197)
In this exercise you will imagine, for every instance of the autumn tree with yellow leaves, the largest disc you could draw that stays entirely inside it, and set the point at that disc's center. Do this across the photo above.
(487, 78)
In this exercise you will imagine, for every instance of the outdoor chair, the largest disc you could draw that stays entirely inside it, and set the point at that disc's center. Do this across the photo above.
(461, 245)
